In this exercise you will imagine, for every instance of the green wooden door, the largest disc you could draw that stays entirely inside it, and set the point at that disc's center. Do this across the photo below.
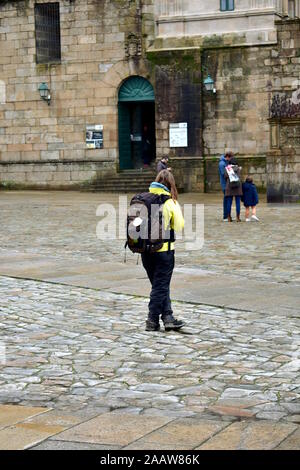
(124, 137)
(133, 93)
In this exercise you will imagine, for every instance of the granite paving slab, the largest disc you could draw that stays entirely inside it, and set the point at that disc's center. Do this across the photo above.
(262, 435)
(13, 414)
(113, 429)
(182, 434)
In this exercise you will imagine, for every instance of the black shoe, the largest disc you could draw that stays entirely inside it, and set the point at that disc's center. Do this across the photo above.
(152, 326)
(171, 323)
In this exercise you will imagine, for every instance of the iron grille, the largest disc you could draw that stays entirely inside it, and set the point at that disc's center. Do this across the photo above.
(283, 107)
(47, 32)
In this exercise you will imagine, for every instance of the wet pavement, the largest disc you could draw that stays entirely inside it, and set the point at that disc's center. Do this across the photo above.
(72, 338)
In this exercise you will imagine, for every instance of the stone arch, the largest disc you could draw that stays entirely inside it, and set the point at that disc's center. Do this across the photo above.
(118, 73)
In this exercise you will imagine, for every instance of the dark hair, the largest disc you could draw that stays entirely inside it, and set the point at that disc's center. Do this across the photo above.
(166, 178)
(229, 155)
(249, 179)
(233, 161)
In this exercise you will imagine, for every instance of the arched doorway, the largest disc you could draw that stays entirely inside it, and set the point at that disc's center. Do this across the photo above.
(137, 147)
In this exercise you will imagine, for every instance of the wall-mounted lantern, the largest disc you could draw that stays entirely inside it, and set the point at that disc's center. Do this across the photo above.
(45, 92)
(210, 84)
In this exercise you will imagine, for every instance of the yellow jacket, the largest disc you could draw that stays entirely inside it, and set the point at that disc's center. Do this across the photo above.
(171, 212)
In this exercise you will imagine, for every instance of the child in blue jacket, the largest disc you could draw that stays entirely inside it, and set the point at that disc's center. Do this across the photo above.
(250, 199)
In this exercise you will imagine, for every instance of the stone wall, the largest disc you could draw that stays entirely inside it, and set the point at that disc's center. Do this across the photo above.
(178, 89)
(54, 175)
(283, 162)
(252, 166)
(189, 174)
(236, 117)
(177, 79)
(96, 59)
(84, 86)
(253, 19)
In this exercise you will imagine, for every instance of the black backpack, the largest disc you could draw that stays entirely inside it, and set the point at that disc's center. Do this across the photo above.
(145, 225)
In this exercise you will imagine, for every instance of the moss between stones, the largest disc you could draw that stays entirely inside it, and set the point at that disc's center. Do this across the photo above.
(11, 185)
(213, 41)
(181, 60)
(203, 42)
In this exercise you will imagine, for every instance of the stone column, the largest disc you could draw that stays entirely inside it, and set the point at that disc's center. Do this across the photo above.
(285, 7)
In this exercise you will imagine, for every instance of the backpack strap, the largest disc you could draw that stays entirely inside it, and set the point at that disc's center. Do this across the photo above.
(165, 198)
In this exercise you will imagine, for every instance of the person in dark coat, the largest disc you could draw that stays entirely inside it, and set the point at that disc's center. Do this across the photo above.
(223, 162)
(236, 191)
(146, 147)
(250, 199)
(162, 165)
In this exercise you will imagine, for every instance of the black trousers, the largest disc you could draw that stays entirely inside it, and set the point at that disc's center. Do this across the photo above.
(159, 268)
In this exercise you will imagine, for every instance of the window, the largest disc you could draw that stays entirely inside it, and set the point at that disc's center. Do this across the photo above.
(227, 5)
(47, 32)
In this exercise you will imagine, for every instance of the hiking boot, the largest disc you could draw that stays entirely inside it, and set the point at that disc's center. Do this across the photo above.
(170, 323)
(152, 325)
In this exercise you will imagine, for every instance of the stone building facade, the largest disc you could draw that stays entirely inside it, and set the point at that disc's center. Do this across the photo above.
(252, 53)
(101, 41)
(131, 70)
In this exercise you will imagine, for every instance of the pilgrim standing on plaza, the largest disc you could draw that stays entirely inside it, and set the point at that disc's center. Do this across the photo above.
(157, 253)
(250, 199)
(224, 161)
(233, 188)
(160, 265)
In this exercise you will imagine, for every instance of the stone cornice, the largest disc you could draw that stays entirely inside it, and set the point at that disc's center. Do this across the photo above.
(217, 16)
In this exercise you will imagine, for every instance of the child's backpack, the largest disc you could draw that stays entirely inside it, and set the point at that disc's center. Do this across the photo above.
(234, 179)
(145, 223)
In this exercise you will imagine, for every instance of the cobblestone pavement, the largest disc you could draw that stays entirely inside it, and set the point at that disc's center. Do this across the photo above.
(63, 225)
(69, 344)
(79, 349)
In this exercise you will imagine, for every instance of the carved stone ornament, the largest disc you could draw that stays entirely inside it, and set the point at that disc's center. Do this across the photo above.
(133, 46)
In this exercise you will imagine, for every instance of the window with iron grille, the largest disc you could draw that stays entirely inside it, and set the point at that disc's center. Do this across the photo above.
(47, 32)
